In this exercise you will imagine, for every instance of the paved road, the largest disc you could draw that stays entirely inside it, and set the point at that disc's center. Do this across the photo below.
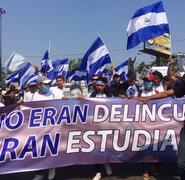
(86, 172)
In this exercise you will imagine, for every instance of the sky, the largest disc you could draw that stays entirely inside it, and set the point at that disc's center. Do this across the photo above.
(71, 26)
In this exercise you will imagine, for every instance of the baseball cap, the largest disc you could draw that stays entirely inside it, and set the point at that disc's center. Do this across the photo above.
(101, 81)
(149, 77)
(43, 79)
(116, 75)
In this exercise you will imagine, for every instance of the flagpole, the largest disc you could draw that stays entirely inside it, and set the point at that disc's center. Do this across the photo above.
(0, 47)
(49, 49)
(2, 11)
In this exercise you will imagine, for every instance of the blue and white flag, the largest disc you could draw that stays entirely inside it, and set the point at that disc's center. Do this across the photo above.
(47, 67)
(61, 67)
(122, 69)
(96, 59)
(15, 62)
(2, 11)
(31, 78)
(77, 75)
(21, 76)
(46, 62)
(147, 23)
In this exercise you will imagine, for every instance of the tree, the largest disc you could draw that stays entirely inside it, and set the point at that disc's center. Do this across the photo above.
(5, 72)
(74, 64)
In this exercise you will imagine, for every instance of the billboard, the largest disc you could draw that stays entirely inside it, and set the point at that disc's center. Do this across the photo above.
(161, 44)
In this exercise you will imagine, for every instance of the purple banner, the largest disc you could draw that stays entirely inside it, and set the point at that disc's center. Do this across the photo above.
(46, 134)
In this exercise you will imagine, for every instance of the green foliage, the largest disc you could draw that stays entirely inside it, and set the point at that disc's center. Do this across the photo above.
(160, 62)
(5, 72)
(141, 66)
(74, 63)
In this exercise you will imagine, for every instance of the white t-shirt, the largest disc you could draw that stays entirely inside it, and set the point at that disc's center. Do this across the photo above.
(1, 104)
(146, 93)
(42, 97)
(159, 88)
(57, 92)
(27, 96)
(100, 95)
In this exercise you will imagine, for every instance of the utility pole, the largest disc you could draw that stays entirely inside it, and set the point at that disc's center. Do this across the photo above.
(158, 60)
(0, 47)
(2, 11)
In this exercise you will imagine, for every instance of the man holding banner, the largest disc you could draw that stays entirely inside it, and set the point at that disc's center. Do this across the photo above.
(178, 91)
(43, 94)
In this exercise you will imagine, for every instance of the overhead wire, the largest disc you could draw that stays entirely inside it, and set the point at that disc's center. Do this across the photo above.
(81, 54)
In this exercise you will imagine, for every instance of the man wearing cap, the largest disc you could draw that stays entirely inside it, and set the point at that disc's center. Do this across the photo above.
(177, 91)
(29, 91)
(101, 88)
(101, 91)
(43, 94)
(147, 89)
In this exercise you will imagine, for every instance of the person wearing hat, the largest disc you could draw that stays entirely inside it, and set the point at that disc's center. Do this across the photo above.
(29, 91)
(179, 92)
(101, 91)
(147, 89)
(42, 94)
(101, 88)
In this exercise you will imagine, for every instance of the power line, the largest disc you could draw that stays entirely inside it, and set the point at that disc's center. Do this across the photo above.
(81, 54)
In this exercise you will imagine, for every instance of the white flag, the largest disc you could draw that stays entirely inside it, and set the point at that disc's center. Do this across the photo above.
(15, 62)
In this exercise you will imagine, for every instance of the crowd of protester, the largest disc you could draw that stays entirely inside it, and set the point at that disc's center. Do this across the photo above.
(42, 89)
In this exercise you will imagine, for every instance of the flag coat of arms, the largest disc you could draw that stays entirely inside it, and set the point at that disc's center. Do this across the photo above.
(147, 23)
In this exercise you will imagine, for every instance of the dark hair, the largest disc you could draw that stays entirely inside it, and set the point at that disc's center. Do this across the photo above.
(75, 86)
(116, 75)
(183, 78)
(158, 74)
(60, 77)
(103, 79)
(165, 79)
(95, 76)
(10, 91)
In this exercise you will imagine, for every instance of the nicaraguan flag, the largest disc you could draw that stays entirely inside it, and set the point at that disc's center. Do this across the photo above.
(61, 67)
(96, 58)
(47, 67)
(21, 76)
(31, 78)
(15, 62)
(2, 11)
(46, 63)
(122, 69)
(77, 75)
(147, 23)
